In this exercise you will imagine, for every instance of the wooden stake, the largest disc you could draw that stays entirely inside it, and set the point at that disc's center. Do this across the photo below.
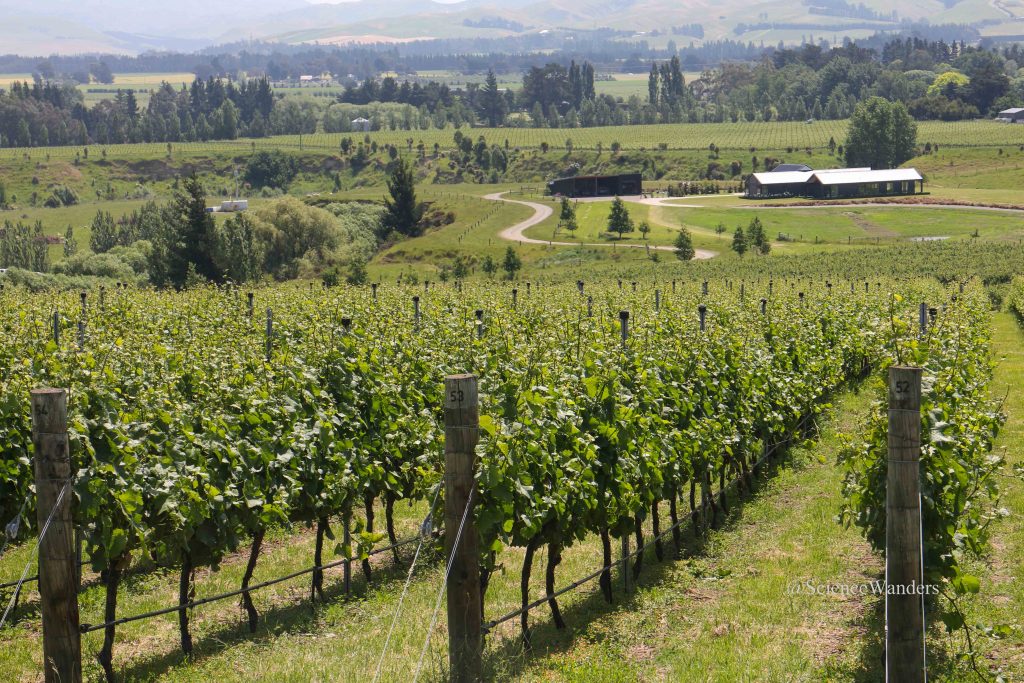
(904, 600)
(58, 574)
(465, 603)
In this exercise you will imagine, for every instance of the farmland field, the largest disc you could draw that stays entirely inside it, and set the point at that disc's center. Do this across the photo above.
(687, 136)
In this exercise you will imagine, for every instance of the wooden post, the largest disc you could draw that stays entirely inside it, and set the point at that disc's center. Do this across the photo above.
(590, 307)
(416, 312)
(270, 332)
(515, 295)
(465, 603)
(58, 573)
(373, 289)
(904, 600)
(657, 300)
(702, 311)
(56, 328)
(922, 318)
(624, 550)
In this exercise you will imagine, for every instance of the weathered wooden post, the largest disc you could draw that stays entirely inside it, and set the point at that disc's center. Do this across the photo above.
(579, 286)
(461, 540)
(479, 323)
(515, 296)
(416, 312)
(590, 307)
(373, 290)
(904, 598)
(250, 297)
(85, 308)
(922, 318)
(704, 288)
(58, 573)
(657, 301)
(626, 576)
(764, 306)
(702, 311)
(56, 328)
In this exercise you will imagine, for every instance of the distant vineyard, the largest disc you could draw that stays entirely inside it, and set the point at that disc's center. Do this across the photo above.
(681, 137)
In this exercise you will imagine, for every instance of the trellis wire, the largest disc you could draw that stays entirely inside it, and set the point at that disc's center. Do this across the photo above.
(444, 584)
(405, 589)
(88, 628)
(42, 533)
(490, 625)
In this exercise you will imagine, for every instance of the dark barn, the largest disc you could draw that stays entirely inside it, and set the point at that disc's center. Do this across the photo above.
(598, 185)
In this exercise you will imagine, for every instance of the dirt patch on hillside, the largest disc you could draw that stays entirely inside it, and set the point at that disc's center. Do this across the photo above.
(869, 228)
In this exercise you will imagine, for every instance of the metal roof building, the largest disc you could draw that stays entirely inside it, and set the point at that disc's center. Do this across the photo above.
(835, 183)
(623, 184)
(1014, 115)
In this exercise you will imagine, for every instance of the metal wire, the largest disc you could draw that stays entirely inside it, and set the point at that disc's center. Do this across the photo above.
(444, 584)
(42, 533)
(490, 625)
(424, 532)
(87, 628)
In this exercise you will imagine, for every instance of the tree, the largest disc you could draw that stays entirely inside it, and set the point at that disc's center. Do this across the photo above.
(567, 216)
(357, 274)
(489, 266)
(241, 252)
(270, 169)
(881, 134)
(404, 213)
(756, 237)
(684, 245)
(512, 263)
(102, 73)
(739, 242)
(644, 228)
(492, 102)
(102, 233)
(184, 248)
(70, 243)
(619, 221)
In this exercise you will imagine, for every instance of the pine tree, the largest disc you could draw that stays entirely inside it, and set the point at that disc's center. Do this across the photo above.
(403, 213)
(684, 245)
(512, 263)
(756, 237)
(739, 242)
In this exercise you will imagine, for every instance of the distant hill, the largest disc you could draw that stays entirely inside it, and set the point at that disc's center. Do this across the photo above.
(132, 26)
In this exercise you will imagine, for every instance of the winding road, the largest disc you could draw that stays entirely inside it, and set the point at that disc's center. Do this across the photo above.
(542, 212)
